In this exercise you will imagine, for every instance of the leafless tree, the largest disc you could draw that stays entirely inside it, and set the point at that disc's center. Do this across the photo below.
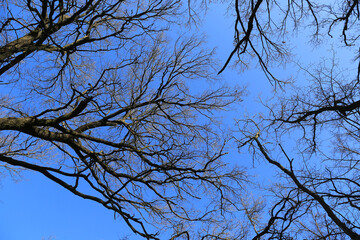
(311, 135)
(263, 29)
(95, 96)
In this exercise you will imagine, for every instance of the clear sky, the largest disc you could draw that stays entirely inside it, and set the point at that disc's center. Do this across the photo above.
(36, 208)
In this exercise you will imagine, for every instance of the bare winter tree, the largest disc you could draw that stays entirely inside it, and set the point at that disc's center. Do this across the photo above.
(94, 96)
(311, 136)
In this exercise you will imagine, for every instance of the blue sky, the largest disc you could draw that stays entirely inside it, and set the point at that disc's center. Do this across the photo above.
(36, 208)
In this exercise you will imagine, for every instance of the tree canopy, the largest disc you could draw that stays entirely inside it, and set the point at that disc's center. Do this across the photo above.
(95, 97)
(310, 132)
(98, 96)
